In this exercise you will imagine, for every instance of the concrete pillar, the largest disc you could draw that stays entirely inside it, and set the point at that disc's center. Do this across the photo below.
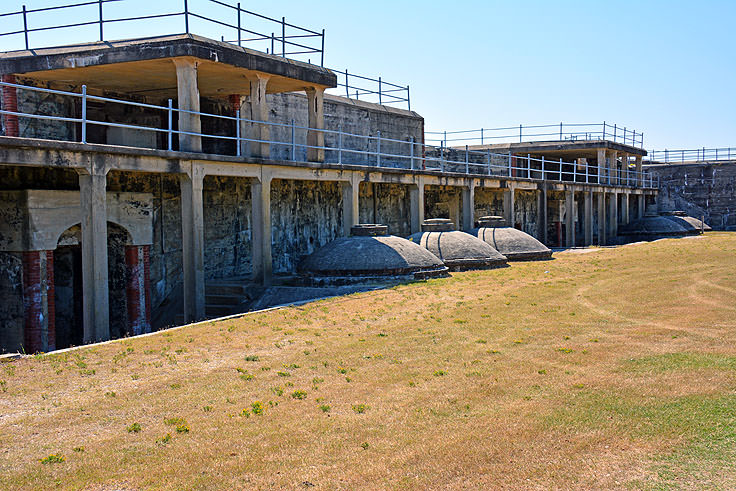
(508, 204)
(601, 165)
(624, 208)
(640, 202)
(613, 218)
(638, 170)
(188, 100)
(468, 206)
(256, 109)
(624, 169)
(350, 203)
(569, 218)
(588, 218)
(316, 138)
(192, 231)
(10, 103)
(39, 331)
(542, 214)
(138, 288)
(416, 205)
(93, 197)
(602, 240)
(612, 168)
(455, 211)
(261, 229)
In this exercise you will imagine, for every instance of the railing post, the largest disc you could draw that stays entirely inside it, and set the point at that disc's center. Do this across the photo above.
(239, 35)
(544, 176)
(411, 152)
(408, 100)
(293, 141)
(379, 91)
(575, 171)
(347, 85)
(273, 43)
(442, 156)
(528, 166)
(339, 144)
(481, 136)
(614, 132)
(322, 51)
(467, 165)
(510, 164)
(378, 148)
(170, 131)
(604, 130)
(84, 114)
(99, 4)
(25, 25)
(283, 37)
(560, 130)
(560, 169)
(587, 172)
(519, 133)
(489, 161)
(186, 17)
(237, 133)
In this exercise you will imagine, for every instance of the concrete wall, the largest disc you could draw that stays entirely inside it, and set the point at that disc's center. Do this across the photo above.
(705, 189)
(388, 204)
(11, 306)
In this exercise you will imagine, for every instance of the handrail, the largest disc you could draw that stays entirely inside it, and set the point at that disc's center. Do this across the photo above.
(703, 154)
(352, 149)
(181, 9)
(556, 132)
(378, 93)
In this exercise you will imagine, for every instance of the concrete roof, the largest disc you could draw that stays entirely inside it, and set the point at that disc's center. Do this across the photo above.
(551, 149)
(144, 66)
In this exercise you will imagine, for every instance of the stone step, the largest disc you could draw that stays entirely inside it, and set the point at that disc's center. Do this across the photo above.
(225, 289)
(221, 299)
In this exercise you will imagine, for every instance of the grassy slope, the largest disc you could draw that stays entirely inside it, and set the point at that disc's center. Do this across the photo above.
(613, 368)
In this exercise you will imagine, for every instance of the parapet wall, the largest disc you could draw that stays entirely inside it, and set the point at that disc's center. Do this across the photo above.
(700, 189)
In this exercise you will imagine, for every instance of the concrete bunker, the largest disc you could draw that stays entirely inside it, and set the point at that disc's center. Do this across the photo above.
(512, 243)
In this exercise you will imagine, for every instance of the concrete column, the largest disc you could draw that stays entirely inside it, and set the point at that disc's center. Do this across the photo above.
(188, 100)
(624, 169)
(192, 229)
(588, 218)
(640, 203)
(137, 288)
(261, 229)
(93, 197)
(602, 240)
(454, 209)
(542, 214)
(570, 218)
(624, 208)
(508, 204)
(256, 109)
(601, 165)
(612, 167)
(416, 203)
(613, 218)
(638, 170)
(468, 206)
(316, 138)
(350, 203)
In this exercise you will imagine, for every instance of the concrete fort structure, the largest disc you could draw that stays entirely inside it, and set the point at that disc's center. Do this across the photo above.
(138, 176)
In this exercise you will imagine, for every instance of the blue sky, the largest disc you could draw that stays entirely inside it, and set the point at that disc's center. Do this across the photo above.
(666, 68)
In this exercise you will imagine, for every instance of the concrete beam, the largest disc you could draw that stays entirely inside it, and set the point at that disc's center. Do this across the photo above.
(416, 205)
(316, 111)
(602, 229)
(188, 100)
(261, 229)
(588, 218)
(192, 230)
(350, 203)
(93, 197)
(468, 206)
(570, 219)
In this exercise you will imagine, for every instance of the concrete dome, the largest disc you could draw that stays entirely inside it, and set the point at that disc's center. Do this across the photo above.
(653, 226)
(512, 243)
(369, 251)
(688, 222)
(458, 250)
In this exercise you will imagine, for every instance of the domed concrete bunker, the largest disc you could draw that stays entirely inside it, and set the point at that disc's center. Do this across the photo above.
(512, 243)
(371, 252)
(458, 250)
(654, 226)
(688, 222)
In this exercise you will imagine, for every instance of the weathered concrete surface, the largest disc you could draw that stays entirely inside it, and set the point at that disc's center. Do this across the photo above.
(512, 243)
(458, 250)
(706, 189)
(11, 306)
(386, 203)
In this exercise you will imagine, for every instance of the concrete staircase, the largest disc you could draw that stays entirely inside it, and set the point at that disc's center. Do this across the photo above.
(226, 297)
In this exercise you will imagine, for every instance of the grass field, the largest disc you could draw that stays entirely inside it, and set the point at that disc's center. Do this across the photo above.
(607, 368)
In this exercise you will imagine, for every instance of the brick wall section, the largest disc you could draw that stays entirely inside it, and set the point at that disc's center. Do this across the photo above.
(50, 302)
(137, 289)
(39, 333)
(147, 286)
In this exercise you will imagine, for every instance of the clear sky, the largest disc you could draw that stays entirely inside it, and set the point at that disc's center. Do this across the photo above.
(667, 68)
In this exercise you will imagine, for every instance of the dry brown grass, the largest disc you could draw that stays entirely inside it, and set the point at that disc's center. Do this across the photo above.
(612, 369)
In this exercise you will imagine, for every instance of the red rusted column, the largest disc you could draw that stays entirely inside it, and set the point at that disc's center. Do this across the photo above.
(137, 289)
(10, 103)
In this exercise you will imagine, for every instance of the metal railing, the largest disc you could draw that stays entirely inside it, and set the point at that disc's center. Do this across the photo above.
(543, 132)
(371, 89)
(284, 39)
(289, 142)
(692, 155)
